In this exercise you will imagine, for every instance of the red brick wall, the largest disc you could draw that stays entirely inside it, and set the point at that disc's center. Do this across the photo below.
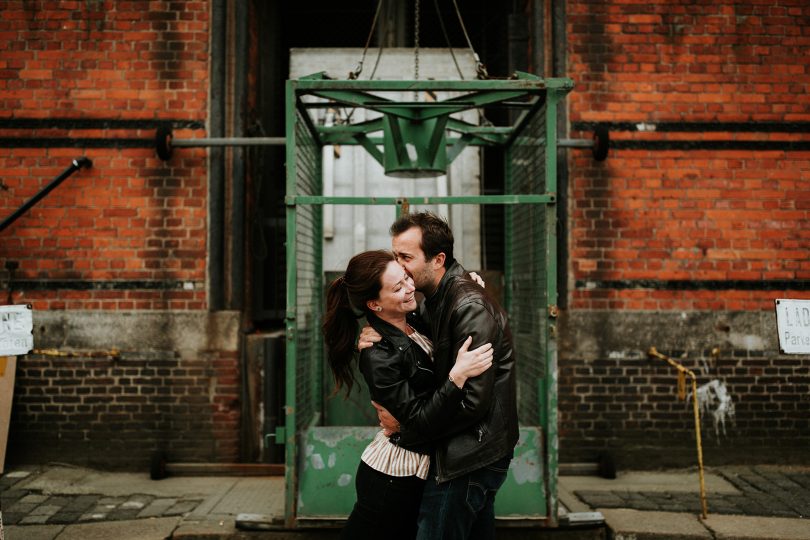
(694, 215)
(96, 78)
(699, 218)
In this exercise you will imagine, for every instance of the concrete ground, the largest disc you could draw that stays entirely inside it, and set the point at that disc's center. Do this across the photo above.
(56, 502)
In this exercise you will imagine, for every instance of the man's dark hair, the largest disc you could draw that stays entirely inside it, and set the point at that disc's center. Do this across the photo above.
(436, 234)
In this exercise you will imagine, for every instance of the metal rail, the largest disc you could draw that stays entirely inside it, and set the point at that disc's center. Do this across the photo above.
(77, 164)
(165, 142)
(682, 371)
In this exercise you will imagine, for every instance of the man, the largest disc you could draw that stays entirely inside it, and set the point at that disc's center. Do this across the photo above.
(473, 447)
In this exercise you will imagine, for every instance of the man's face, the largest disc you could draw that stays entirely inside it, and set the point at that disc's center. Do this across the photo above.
(407, 248)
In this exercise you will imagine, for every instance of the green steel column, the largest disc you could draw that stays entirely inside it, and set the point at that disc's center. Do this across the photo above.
(508, 232)
(550, 380)
(290, 473)
(318, 346)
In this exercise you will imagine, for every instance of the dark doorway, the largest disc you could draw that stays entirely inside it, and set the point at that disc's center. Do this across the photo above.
(276, 27)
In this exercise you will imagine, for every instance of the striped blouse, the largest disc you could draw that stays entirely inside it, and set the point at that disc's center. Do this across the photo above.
(391, 459)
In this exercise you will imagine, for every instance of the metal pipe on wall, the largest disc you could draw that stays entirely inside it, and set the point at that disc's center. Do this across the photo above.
(216, 162)
(236, 275)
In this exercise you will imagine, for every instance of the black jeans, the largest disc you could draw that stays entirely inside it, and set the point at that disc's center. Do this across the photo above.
(386, 507)
(464, 507)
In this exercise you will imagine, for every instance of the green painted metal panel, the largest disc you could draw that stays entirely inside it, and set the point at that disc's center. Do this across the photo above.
(331, 454)
(523, 495)
(328, 464)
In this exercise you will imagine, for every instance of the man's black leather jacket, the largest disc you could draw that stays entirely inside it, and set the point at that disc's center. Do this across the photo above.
(485, 428)
(400, 377)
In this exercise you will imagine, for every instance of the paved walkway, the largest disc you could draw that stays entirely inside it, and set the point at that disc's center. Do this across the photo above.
(29, 497)
(756, 491)
(57, 502)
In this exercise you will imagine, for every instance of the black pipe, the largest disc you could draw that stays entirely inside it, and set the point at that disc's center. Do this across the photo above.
(216, 160)
(75, 166)
(238, 171)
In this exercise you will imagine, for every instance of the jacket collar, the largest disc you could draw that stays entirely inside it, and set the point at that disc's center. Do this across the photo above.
(455, 270)
(388, 331)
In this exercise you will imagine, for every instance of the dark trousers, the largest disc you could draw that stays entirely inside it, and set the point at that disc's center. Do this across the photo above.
(462, 508)
(386, 507)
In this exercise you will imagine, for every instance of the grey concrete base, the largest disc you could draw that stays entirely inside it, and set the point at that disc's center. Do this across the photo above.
(33, 532)
(182, 331)
(629, 524)
(139, 529)
(651, 481)
(757, 528)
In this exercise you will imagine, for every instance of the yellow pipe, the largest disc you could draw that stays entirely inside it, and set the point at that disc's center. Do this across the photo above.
(654, 352)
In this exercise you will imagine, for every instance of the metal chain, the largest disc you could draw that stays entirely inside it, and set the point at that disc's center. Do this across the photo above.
(356, 73)
(480, 68)
(416, 41)
(383, 33)
(447, 38)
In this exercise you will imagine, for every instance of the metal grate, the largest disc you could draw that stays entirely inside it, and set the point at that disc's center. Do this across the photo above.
(308, 278)
(529, 295)
(529, 256)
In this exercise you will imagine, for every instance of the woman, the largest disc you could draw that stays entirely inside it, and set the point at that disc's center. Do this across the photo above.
(398, 371)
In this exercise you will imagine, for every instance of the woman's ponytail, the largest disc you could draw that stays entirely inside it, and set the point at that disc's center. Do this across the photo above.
(339, 330)
(361, 283)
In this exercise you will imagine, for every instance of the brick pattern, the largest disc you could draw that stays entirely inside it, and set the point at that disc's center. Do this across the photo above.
(117, 412)
(691, 215)
(629, 407)
(131, 217)
(96, 78)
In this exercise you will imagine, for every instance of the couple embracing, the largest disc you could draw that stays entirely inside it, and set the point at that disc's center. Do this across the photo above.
(441, 375)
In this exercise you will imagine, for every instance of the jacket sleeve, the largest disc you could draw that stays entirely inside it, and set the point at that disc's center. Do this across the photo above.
(389, 386)
(470, 319)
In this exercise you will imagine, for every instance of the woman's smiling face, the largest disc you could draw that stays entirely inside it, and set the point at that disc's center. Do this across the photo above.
(396, 294)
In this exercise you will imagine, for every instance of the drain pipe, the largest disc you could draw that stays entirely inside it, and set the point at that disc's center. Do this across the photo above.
(216, 161)
(238, 169)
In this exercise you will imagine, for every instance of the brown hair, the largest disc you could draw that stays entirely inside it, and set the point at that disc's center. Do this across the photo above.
(347, 296)
(436, 234)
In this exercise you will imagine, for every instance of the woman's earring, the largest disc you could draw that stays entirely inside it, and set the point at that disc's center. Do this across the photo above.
(378, 308)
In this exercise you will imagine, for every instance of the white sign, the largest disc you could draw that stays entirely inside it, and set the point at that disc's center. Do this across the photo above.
(793, 325)
(16, 326)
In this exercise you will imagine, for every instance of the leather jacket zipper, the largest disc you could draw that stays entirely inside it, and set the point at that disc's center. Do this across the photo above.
(481, 432)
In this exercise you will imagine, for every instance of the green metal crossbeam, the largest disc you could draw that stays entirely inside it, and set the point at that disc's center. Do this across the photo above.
(546, 198)
(356, 139)
(419, 110)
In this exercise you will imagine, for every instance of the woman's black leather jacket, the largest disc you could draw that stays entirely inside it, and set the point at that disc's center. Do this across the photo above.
(400, 377)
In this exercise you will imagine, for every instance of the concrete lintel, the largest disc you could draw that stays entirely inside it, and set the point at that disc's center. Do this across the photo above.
(182, 331)
(595, 334)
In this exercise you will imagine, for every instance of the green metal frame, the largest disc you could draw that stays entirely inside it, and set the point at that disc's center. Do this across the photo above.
(530, 201)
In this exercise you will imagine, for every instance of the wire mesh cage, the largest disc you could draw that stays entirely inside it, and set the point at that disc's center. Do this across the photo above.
(321, 458)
